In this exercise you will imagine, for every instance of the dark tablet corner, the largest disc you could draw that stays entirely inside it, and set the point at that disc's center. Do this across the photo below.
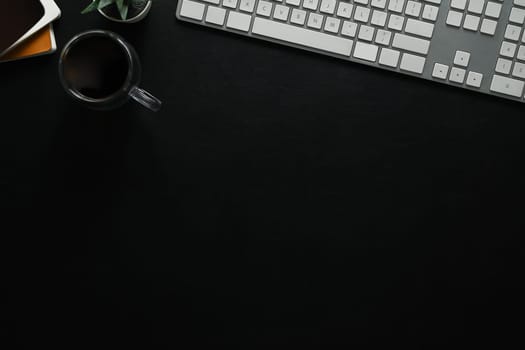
(17, 18)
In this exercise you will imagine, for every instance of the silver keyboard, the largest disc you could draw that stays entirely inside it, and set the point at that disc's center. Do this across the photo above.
(474, 44)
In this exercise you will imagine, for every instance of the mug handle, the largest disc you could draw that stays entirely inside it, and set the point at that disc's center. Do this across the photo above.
(146, 99)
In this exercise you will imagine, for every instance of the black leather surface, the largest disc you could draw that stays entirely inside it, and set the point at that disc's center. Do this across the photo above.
(280, 199)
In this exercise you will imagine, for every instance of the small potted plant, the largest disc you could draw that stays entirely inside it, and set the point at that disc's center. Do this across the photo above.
(122, 11)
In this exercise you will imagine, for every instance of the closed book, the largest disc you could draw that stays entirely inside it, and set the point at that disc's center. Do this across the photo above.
(22, 19)
(41, 43)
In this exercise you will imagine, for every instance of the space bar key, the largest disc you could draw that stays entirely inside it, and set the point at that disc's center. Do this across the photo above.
(301, 36)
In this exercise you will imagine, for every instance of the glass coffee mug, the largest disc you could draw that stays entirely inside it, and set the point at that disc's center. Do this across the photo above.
(101, 70)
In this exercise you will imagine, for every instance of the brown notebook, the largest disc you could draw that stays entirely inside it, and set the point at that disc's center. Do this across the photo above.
(42, 43)
(21, 19)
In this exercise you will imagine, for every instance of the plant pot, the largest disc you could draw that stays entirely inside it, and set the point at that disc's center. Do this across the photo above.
(134, 15)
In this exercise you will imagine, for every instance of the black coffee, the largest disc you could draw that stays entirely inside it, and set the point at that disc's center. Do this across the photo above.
(96, 66)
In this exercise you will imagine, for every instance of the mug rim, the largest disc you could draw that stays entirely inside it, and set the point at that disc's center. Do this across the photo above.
(92, 33)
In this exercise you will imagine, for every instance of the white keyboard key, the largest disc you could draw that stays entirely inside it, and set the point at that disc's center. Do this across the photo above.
(476, 6)
(364, 2)
(215, 15)
(349, 29)
(471, 23)
(493, 9)
(474, 79)
(229, 3)
(239, 21)
(440, 71)
(507, 49)
(293, 2)
(517, 15)
(419, 28)
(458, 4)
(396, 5)
(281, 13)
(298, 17)
(302, 36)
(519, 70)
(378, 18)
(507, 86)
(461, 58)
(512, 32)
(192, 9)
(383, 37)
(457, 75)
(361, 14)
(503, 66)
(410, 43)
(367, 52)
(315, 20)
(310, 4)
(437, 2)
(366, 33)
(396, 22)
(328, 6)
(521, 53)
(332, 25)
(412, 63)
(389, 57)
(488, 26)
(344, 9)
(215, 2)
(264, 8)
(247, 5)
(454, 18)
(519, 3)
(430, 12)
(378, 4)
(413, 8)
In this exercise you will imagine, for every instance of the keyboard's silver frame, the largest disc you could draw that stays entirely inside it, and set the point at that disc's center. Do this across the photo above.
(441, 41)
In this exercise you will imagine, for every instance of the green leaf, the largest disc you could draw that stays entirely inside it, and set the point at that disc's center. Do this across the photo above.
(124, 12)
(104, 3)
(122, 6)
(122, 9)
(91, 7)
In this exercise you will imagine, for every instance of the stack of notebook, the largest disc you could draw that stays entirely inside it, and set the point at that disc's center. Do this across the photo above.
(26, 28)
